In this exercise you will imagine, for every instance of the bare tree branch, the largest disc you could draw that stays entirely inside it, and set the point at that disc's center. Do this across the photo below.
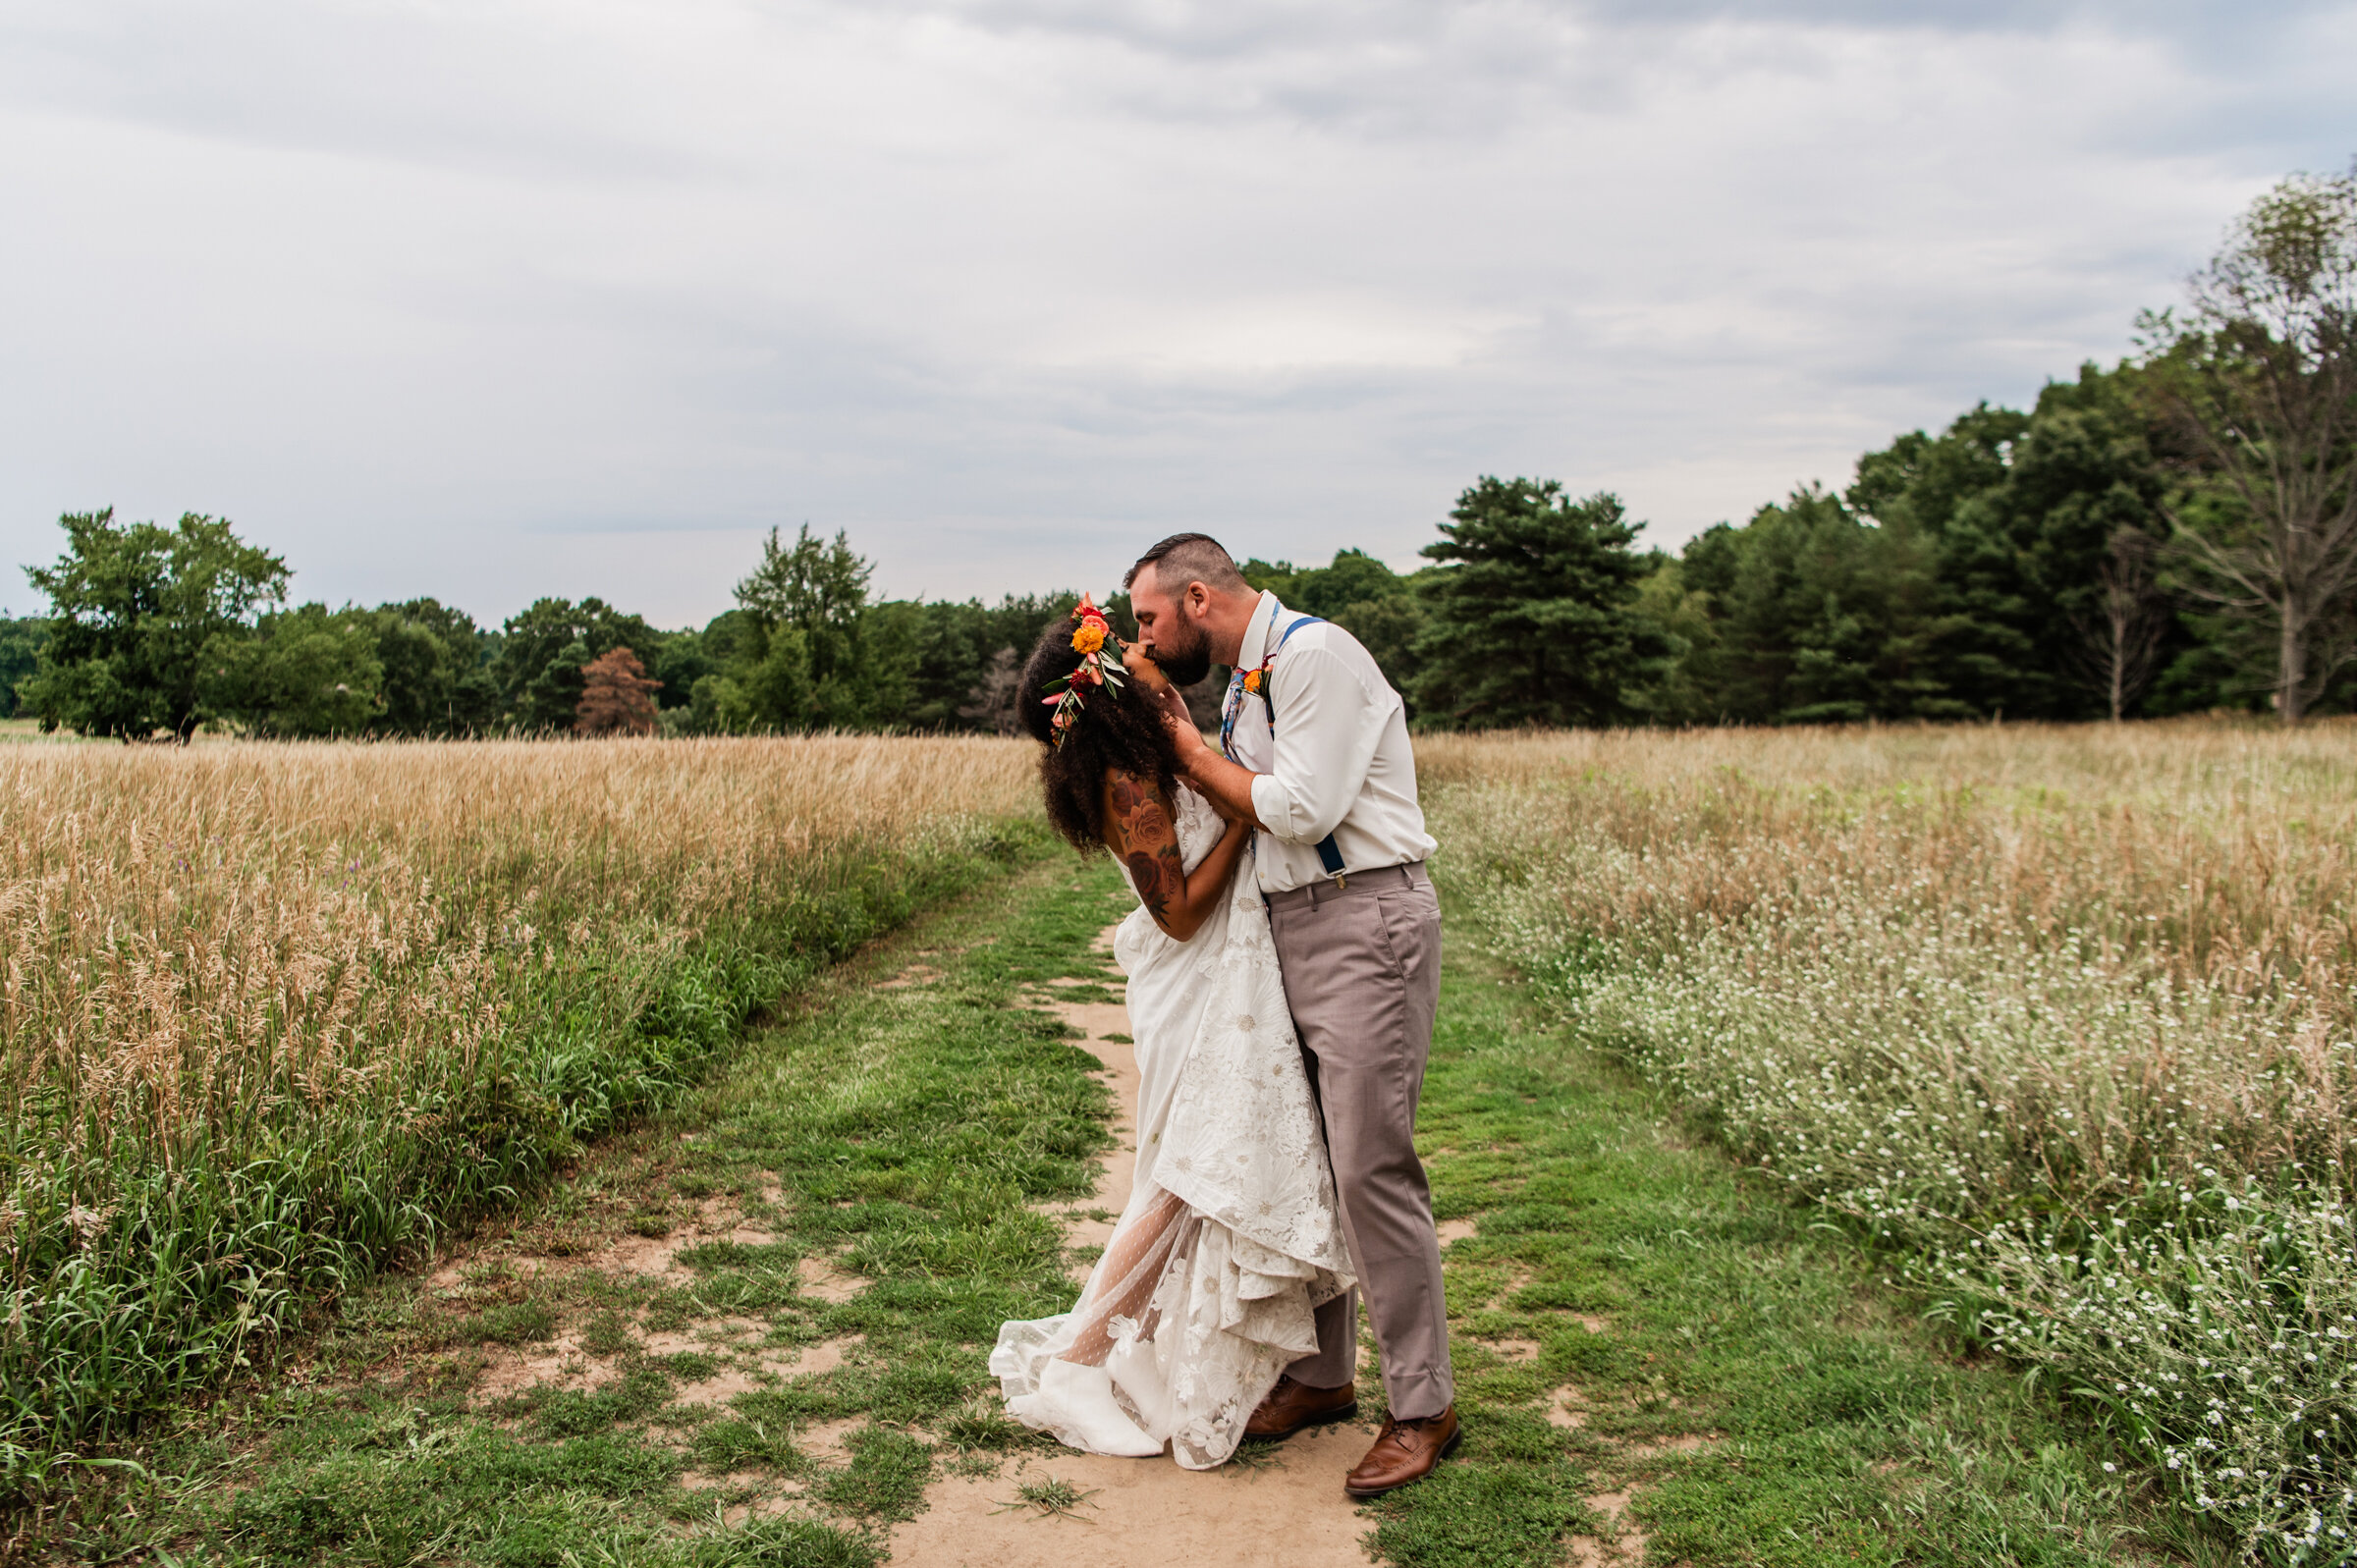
(2262, 388)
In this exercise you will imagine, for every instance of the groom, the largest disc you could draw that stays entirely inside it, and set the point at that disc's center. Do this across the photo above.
(1318, 758)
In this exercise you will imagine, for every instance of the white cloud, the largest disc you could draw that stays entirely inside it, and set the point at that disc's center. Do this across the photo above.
(505, 298)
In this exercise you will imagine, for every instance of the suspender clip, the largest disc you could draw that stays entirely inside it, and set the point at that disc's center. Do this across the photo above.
(1329, 856)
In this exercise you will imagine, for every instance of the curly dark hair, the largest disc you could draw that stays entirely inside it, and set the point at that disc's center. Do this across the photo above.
(1114, 729)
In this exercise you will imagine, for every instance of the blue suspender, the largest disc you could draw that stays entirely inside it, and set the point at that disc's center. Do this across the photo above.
(1329, 854)
(1331, 857)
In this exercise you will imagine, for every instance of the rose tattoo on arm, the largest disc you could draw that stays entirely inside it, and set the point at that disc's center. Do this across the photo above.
(1146, 841)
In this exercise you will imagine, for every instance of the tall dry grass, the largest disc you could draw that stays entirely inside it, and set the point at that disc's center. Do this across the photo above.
(267, 1011)
(2066, 1016)
(190, 936)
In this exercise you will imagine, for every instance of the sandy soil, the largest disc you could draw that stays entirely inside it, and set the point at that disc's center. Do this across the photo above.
(1282, 1506)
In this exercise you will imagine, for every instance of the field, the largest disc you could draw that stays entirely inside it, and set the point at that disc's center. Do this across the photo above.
(271, 1015)
(2060, 1020)
(2026, 1048)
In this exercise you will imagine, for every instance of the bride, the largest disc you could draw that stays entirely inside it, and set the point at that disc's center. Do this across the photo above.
(1230, 1237)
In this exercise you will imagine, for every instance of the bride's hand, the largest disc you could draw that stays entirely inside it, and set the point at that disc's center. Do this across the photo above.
(1148, 674)
(1166, 698)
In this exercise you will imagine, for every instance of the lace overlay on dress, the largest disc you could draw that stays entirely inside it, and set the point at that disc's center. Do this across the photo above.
(1230, 1237)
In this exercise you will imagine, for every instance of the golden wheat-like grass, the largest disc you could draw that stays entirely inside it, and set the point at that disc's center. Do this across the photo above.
(188, 936)
(2230, 848)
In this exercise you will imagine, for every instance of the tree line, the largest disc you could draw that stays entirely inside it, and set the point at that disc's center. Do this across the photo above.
(158, 632)
(2175, 533)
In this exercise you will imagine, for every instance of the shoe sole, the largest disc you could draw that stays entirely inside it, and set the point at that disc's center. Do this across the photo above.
(1325, 1417)
(1447, 1449)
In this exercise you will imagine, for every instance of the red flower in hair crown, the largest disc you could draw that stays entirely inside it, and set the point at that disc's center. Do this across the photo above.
(1101, 664)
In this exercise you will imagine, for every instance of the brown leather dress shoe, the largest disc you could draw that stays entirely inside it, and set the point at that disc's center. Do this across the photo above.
(1292, 1406)
(1408, 1450)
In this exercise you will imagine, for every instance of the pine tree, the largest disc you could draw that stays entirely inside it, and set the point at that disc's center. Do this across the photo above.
(1531, 612)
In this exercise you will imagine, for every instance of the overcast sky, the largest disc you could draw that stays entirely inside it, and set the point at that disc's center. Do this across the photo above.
(496, 298)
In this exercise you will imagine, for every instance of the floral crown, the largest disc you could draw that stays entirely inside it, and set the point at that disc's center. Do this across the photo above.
(1100, 666)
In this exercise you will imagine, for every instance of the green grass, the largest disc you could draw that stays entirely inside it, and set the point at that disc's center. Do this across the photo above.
(1050, 1498)
(1743, 1381)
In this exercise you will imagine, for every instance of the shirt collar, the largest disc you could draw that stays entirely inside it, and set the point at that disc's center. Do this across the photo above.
(1252, 649)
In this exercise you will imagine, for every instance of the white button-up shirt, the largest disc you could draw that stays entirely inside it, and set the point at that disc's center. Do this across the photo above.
(1340, 761)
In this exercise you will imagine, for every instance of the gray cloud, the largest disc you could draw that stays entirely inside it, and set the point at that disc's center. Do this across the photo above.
(517, 296)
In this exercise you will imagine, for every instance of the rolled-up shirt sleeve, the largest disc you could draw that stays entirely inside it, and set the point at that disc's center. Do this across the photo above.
(1324, 746)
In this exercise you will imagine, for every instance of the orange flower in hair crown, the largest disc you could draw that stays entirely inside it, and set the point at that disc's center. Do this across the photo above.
(1100, 665)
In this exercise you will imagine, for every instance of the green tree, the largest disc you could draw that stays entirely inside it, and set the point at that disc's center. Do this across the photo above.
(720, 661)
(1270, 576)
(2261, 385)
(1532, 618)
(1979, 606)
(20, 644)
(1692, 689)
(1353, 577)
(1827, 618)
(2084, 491)
(302, 673)
(2039, 588)
(1391, 628)
(685, 658)
(133, 611)
(857, 662)
(816, 591)
(438, 678)
(954, 651)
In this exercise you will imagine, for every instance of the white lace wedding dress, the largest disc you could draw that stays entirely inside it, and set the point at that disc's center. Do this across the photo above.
(1230, 1237)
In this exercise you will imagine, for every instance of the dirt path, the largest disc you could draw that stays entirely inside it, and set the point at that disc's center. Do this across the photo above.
(751, 1330)
(1277, 1506)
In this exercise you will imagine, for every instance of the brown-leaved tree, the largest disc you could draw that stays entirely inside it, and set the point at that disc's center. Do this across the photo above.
(618, 697)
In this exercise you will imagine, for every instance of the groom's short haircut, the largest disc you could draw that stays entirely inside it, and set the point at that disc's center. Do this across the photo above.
(1186, 557)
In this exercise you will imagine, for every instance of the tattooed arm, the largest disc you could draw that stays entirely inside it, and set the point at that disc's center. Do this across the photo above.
(1142, 829)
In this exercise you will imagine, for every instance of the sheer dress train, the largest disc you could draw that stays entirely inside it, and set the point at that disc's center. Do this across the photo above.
(1230, 1239)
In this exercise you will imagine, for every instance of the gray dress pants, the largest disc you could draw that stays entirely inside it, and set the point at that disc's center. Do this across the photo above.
(1362, 977)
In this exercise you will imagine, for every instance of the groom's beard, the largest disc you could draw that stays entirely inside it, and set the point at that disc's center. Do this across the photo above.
(1184, 664)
